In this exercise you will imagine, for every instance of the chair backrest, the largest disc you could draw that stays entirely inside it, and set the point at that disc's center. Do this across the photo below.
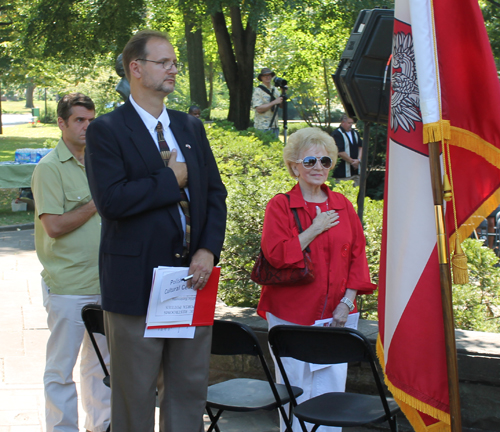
(233, 338)
(93, 319)
(321, 345)
(324, 345)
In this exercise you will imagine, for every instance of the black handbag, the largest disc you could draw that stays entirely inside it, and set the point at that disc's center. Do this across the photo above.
(264, 273)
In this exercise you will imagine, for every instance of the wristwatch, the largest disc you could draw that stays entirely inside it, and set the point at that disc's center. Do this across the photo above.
(347, 302)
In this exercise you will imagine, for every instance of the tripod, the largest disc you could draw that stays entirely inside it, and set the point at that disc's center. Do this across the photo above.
(285, 111)
(283, 88)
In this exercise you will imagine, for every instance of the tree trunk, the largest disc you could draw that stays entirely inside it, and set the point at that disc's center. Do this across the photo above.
(237, 64)
(196, 64)
(29, 95)
(211, 85)
(328, 116)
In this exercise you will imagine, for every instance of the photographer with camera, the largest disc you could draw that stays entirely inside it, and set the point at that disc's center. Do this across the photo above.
(266, 100)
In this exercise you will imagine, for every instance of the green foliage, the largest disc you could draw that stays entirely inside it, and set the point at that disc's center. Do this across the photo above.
(49, 116)
(265, 136)
(323, 27)
(476, 305)
(491, 17)
(294, 127)
(372, 224)
(79, 30)
(50, 143)
(253, 173)
(99, 84)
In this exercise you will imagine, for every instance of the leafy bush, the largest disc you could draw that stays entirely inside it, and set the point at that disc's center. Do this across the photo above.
(49, 116)
(476, 305)
(50, 143)
(253, 173)
(294, 127)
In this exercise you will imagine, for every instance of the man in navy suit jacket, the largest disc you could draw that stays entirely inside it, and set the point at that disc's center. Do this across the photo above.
(143, 227)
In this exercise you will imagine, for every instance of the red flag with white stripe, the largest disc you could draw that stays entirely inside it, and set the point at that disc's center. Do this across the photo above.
(444, 88)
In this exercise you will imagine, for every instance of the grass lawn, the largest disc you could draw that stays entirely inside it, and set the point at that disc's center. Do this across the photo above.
(15, 137)
(18, 107)
(7, 216)
(25, 136)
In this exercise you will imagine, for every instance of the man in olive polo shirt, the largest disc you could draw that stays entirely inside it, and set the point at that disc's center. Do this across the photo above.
(67, 235)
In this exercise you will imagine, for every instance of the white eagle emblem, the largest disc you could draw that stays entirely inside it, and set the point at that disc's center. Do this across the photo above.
(405, 101)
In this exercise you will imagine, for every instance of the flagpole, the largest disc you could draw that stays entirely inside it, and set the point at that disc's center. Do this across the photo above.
(446, 285)
(362, 171)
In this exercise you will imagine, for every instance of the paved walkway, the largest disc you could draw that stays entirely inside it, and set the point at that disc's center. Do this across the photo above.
(23, 336)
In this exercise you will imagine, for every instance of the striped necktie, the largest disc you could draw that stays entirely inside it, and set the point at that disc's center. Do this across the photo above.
(184, 203)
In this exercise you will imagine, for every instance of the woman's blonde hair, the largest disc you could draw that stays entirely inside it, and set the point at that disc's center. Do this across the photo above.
(304, 138)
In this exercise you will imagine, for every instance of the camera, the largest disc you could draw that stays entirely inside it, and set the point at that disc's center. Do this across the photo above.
(280, 82)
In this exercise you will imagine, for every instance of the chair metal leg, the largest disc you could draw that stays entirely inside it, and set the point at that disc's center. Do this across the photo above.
(287, 419)
(393, 423)
(303, 426)
(214, 419)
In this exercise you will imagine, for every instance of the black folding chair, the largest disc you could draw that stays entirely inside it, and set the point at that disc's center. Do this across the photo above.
(329, 345)
(93, 320)
(243, 394)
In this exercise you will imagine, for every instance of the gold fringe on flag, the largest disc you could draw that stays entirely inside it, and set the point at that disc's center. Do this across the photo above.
(473, 143)
(411, 405)
(437, 131)
(459, 264)
(477, 217)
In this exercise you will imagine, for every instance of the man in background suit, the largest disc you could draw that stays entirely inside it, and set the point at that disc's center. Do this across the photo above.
(350, 148)
(141, 191)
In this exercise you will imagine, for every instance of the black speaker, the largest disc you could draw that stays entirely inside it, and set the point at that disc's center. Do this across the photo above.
(360, 75)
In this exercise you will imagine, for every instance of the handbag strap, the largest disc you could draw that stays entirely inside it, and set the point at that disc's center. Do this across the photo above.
(297, 220)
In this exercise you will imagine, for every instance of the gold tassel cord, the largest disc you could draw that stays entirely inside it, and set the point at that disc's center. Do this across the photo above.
(447, 195)
(459, 264)
(459, 260)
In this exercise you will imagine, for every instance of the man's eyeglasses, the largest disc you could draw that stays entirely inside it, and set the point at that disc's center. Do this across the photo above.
(167, 64)
(309, 162)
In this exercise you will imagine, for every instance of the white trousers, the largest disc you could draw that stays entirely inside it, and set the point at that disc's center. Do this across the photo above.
(67, 335)
(315, 380)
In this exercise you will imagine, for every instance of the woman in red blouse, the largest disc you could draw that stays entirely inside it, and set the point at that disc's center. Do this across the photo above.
(334, 234)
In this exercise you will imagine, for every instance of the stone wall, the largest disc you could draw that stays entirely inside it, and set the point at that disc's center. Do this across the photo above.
(478, 364)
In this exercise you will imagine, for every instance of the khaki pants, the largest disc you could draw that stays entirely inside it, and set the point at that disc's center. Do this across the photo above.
(178, 367)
